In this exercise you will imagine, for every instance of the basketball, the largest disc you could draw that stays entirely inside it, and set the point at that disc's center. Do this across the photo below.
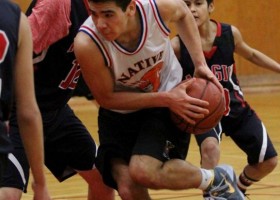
(205, 90)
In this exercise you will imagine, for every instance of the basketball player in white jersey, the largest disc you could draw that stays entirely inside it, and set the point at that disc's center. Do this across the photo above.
(129, 65)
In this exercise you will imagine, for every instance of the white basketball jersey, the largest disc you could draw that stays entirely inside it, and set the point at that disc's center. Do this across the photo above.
(152, 66)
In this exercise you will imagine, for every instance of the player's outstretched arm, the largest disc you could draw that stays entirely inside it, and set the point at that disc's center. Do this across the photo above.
(251, 54)
(28, 114)
(177, 12)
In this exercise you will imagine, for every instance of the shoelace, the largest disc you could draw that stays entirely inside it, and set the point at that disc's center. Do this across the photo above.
(247, 196)
(219, 189)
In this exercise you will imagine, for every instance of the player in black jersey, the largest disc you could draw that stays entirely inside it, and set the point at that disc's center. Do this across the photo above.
(69, 147)
(16, 82)
(240, 122)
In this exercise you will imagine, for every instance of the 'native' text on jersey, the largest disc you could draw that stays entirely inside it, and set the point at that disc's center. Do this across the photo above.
(152, 66)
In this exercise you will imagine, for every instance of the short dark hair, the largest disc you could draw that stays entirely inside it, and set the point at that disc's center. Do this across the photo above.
(120, 3)
(209, 1)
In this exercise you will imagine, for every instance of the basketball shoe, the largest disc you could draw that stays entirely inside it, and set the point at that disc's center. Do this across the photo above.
(224, 186)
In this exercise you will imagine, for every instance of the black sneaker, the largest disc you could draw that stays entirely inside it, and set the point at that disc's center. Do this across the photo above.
(206, 196)
(224, 186)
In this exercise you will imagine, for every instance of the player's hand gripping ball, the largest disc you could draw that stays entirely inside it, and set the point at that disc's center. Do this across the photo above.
(205, 90)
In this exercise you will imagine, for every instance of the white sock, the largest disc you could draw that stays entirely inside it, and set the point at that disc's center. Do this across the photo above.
(207, 178)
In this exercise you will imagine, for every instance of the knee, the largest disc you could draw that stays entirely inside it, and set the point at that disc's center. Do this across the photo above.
(210, 147)
(140, 174)
(10, 194)
(143, 173)
(271, 163)
(125, 192)
(210, 152)
(132, 191)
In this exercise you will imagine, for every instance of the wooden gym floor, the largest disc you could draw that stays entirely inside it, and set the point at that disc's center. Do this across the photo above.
(265, 102)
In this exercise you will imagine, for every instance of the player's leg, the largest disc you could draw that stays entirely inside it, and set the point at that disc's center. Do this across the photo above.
(251, 136)
(209, 150)
(97, 189)
(127, 188)
(69, 148)
(117, 136)
(158, 162)
(159, 154)
(209, 147)
(16, 174)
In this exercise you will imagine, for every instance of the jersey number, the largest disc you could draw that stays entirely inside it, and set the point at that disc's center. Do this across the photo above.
(4, 45)
(71, 80)
(227, 99)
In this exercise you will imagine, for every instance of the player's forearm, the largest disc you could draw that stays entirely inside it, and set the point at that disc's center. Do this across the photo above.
(32, 138)
(191, 38)
(134, 101)
(264, 61)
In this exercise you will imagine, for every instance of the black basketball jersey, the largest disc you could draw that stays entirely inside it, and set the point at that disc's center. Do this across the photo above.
(9, 30)
(57, 72)
(221, 62)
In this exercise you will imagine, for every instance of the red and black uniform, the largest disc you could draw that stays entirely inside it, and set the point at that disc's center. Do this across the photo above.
(68, 144)
(9, 30)
(240, 122)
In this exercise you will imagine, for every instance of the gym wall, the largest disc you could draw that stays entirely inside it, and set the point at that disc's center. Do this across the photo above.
(259, 24)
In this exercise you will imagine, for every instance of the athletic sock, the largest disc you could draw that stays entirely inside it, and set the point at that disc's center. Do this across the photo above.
(207, 178)
(244, 182)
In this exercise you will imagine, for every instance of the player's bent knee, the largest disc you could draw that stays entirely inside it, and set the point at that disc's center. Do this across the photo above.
(10, 193)
(132, 191)
(125, 193)
(143, 173)
(92, 177)
(210, 147)
(271, 163)
(139, 174)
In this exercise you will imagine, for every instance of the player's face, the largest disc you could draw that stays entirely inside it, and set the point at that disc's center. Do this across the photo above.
(109, 19)
(200, 10)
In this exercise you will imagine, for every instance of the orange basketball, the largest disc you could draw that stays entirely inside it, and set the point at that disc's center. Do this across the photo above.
(207, 91)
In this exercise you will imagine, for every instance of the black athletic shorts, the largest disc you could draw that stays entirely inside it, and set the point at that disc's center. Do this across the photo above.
(145, 132)
(5, 147)
(215, 133)
(249, 134)
(68, 147)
